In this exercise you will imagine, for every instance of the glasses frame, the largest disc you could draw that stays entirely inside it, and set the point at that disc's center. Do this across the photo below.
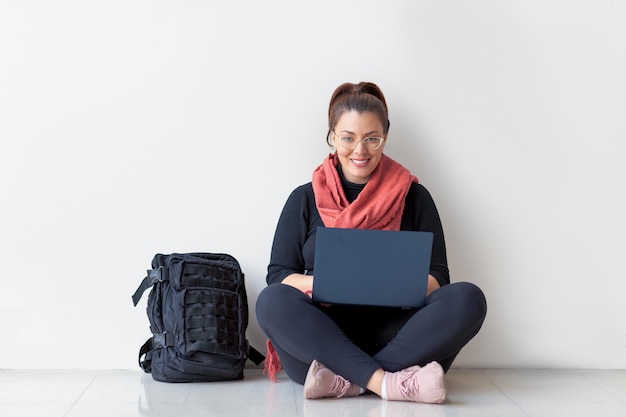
(356, 144)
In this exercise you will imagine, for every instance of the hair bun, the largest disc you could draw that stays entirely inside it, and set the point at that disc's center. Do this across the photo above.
(362, 97)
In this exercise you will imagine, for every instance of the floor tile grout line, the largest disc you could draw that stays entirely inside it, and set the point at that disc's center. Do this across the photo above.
(296, 406)
(519, 407)
(602, 388)
(69, 410)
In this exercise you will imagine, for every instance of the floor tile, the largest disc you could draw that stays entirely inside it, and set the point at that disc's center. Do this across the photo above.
(255, 387)
(472, 387)
(478, 410)
(471, 393)
(55, 378)
(548, 387)
(614, 409)
(219, 409)
(612, 381)
(34, 410)
(364, 406)
(62, 394)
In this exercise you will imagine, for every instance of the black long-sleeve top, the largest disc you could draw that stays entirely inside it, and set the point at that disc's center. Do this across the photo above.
(293, 248)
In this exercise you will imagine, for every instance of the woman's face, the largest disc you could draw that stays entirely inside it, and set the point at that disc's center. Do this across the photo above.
(359, 163)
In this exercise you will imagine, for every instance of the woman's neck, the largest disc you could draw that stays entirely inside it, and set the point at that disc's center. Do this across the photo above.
(351, 189)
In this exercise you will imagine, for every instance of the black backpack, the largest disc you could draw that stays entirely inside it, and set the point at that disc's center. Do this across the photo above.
(198, 312)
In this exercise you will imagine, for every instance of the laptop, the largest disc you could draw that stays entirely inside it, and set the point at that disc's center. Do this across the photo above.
(371, 267)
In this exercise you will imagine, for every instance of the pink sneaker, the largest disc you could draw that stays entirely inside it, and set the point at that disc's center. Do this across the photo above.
(422, 385)
(321, 382)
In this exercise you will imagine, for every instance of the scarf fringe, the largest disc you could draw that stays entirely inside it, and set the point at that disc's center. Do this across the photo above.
(272, 362)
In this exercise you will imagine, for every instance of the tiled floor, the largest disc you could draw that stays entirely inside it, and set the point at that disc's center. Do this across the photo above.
(480, 393)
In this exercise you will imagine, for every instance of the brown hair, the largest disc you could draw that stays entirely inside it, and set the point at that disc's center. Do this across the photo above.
(362, 97)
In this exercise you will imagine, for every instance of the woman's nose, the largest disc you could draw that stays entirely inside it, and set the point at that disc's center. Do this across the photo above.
(360, 147)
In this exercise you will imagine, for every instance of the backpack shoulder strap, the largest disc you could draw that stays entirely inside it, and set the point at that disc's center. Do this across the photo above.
(254, 355)
(145, 356)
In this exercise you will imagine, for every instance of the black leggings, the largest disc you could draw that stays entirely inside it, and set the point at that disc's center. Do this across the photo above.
(356, 341)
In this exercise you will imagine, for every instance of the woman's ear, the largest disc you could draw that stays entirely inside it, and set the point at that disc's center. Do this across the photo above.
(330, 140)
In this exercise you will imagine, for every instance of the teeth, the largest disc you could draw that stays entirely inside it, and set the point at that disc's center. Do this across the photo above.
(360, 162)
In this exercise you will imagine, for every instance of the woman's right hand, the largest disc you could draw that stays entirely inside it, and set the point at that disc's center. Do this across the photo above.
(300, 281)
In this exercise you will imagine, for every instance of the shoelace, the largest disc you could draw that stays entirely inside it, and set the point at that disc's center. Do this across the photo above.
(340, 386)
(408, 384)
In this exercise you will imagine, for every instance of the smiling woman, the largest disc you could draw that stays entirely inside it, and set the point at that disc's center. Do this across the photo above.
(342, 350)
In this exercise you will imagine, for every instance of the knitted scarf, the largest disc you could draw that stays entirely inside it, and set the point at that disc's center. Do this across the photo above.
(378, 206)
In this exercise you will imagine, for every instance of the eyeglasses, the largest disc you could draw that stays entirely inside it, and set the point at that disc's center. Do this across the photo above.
(350, 143)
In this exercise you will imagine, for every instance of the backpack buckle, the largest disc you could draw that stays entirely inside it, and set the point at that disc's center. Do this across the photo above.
(162, 340)
(158, 275)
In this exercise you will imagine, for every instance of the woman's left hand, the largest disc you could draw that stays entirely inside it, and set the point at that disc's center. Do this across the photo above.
(433, 284)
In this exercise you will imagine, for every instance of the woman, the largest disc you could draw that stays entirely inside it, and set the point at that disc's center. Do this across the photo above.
(338, 350)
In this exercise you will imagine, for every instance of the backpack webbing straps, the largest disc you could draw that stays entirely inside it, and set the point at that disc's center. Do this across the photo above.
(255, 356)
(153, 275)
(158, 341)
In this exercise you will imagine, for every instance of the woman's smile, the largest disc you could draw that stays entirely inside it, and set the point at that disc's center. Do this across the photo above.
(360, 162)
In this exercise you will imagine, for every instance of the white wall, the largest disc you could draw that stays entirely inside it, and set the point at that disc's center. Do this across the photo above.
(134, 127)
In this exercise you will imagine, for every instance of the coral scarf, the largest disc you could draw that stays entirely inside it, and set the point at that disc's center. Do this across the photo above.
(378, 206)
